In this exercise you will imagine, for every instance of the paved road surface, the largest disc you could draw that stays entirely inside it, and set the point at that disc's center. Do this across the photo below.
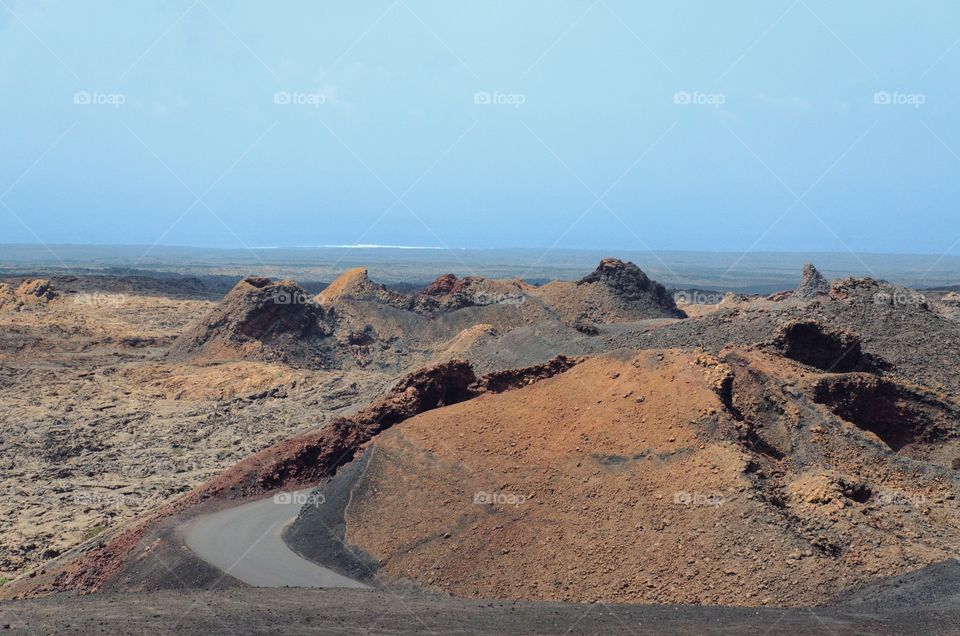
(245, 543)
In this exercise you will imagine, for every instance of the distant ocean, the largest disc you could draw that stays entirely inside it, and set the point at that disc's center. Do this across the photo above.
(358, 246)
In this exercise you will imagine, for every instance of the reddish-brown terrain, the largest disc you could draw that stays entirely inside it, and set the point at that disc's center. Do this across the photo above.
(665, 477)
(781, 451)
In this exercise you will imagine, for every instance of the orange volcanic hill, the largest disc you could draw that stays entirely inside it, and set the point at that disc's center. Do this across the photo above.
(661, 477)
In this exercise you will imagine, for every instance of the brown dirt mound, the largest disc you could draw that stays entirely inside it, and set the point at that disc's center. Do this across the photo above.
(446, 285)
(449, 293)
(662, 477)
(263, 320)
(355, 284)
(862, 291)
(615, 292)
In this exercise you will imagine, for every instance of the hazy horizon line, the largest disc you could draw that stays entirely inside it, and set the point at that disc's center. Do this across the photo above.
(376, 246)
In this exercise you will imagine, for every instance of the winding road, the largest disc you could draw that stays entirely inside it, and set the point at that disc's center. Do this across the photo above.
(246, 543)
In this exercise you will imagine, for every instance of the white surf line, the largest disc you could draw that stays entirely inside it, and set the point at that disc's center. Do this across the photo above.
(246, 543)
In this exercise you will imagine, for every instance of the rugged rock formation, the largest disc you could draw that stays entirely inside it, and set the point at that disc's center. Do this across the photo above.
(446, 285)
(615, 292)
(626, 280)
(500, 381)
(263, 320)
(910, 420)
(449, 293)
(812, 285)
(39, 289)
(382, 328)
(30, 292)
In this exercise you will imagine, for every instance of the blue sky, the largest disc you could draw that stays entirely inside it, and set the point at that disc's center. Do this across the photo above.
(764, 125)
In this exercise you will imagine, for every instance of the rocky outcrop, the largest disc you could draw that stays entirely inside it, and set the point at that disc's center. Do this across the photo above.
(449, 293)
(629, 284)
(500, 381)
(812, 285)
(616, 291)
(38, 289)
(263, 320)
(446, 285)
(30, 292)
(627, 281)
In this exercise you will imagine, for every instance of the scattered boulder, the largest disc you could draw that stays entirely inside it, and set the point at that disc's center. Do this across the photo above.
(780, 296)
(585, 326)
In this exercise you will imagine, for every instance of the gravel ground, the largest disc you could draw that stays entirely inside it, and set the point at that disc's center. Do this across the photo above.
(300, 611)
